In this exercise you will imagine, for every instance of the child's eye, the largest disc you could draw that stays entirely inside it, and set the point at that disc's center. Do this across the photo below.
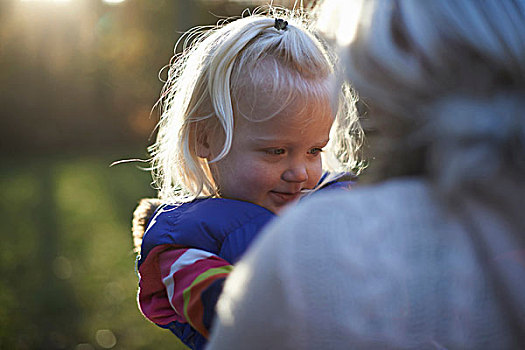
(275, 151)
(315, 150)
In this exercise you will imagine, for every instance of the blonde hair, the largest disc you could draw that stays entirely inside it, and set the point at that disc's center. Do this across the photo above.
(448, 78)
(207, 78)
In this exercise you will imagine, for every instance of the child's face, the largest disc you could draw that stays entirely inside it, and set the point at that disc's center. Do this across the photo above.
(270, 162)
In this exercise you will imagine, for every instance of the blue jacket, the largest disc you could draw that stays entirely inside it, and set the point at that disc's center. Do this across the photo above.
(224, 227)
(220, 226)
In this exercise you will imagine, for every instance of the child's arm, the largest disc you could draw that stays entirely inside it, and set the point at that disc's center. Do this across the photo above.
(192, 281)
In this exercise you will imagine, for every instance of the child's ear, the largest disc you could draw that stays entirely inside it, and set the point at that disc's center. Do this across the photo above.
(202, 144)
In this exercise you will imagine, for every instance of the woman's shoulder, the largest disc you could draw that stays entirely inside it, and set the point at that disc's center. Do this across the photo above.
(395, 197)
(401, 214)
(364, 252)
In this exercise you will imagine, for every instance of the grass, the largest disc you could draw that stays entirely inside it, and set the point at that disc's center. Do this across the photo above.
(67, 265)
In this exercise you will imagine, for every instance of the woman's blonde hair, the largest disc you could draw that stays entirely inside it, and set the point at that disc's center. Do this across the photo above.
(205, 80)
(445, 80)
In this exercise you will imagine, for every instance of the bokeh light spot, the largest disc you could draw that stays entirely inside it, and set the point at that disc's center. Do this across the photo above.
(114, 293)
(105, 338)
(114, 2)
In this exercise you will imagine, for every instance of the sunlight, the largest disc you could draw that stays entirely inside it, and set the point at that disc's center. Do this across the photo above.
(338, 20)
(110, 2)
(58, 1)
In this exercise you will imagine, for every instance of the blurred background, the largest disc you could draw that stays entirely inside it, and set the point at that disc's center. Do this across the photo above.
(78, 80)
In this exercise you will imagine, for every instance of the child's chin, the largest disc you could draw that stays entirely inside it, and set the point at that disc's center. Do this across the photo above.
(281, 202)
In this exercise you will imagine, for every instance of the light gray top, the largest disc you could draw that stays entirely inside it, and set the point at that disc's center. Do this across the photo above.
(383, 266)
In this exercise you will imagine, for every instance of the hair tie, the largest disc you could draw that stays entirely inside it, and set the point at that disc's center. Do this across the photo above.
(280, 24)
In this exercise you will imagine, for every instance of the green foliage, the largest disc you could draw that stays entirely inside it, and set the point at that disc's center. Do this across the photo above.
(80, 75)
(66, 260)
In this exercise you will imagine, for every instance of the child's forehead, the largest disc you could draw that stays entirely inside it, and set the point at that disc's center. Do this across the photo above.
(261, 99)
(274, 121)
(299, 131)
(283, 108)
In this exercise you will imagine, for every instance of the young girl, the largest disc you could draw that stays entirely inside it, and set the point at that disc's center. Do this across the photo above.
(246, 114)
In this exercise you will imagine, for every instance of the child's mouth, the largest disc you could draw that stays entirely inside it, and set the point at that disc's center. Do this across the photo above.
(284, 197)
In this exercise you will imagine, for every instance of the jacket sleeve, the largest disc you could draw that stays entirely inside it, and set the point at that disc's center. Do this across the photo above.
(191, 281)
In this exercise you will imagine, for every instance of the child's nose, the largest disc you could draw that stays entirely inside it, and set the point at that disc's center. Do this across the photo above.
(297, 173)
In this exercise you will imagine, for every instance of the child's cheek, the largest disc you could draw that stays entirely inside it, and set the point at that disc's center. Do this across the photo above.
(265, 173)
(314, 174)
